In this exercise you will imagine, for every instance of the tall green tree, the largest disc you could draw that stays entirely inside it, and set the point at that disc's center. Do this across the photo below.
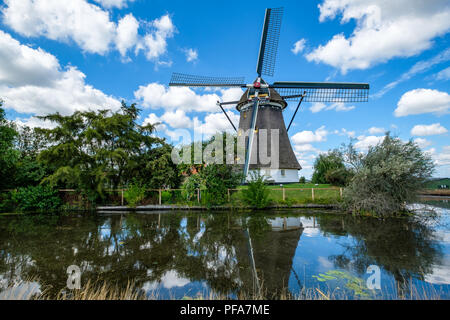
(8, 153)
(97, 150)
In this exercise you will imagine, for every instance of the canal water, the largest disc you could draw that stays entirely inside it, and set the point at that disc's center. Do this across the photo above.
(186, 254)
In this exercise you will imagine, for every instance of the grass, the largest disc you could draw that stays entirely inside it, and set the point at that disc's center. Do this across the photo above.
(434, 184)
(98, 290)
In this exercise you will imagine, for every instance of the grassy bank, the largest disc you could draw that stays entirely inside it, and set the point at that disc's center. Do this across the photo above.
(106, 291)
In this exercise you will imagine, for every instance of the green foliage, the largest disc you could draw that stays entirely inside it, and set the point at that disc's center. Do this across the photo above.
(302, 180)
(36, 198)
(257, 193)
(352, 283)
(387, 177)
(214, 180)
(330, 168)
(191, 185)
(93, 151)
(8, 154)
(134, 194)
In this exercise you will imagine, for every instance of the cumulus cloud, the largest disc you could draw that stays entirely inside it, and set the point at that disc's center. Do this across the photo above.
(127, 34)
(32, 81)
(307, 137)
(158, 96)
(155, 43)
(191, 55)
(365, 142)
(428, 130)
(384, 30)
(89, 26)
(376, 130)
(441, 158)
(420, 101)
(338, 106)
(114, 3)
(86, 24)
(299, 46)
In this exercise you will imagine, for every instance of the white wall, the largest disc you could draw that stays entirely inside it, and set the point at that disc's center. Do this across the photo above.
(291, 175)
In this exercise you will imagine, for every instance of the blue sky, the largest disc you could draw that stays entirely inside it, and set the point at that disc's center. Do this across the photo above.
(70, 55)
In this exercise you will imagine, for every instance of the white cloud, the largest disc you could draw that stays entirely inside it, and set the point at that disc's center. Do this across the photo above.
(114, 3)
(338, 106)
(299, 46)
(86, 24)
(34, 122)
(177, 119)
(217, 122)
(420, 101)
(32, 81)
(384, 30)
(156, 96)
(191, 55)
(155, 43)
(443, 74)
(376, 130)
(307, 137)
(364, 142)
(305, 148)
(127, 34)
(428, 130)
(423, 143)
(89, 26)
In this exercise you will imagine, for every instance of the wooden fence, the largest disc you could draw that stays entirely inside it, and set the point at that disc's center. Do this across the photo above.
(229, 192)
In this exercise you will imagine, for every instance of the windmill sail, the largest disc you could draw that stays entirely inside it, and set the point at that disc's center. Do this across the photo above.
(323, 91)
(269, 42)
(186, 80)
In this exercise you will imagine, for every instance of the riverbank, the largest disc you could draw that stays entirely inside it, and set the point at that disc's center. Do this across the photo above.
(221, 208)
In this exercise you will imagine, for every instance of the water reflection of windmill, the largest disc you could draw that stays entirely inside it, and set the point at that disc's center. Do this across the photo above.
(262, 104)
(270, 254)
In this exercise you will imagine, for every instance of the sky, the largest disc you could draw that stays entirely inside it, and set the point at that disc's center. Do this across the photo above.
(68, 55)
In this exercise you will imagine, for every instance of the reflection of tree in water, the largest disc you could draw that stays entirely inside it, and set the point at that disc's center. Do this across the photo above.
(404, 247)
(143, 248)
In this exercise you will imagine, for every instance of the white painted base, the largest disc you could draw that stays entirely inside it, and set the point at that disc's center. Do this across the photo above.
(279, 175)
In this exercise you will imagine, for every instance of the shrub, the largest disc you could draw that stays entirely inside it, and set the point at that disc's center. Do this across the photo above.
(256, 194)
(302, 180)
(134, 194)
(387, 177)
(36, 198)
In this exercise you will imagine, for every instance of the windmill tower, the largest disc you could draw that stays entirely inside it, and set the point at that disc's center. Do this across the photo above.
(261, 106)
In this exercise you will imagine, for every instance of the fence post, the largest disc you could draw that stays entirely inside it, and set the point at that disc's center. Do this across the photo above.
(198, 195)
(160, 196)
(340, 192)
(122, 198)
(228, 191)
(312, 193)
(284, 194)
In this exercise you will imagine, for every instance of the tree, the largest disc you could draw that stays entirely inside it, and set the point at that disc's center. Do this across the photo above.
(387, 177)
(8, 154)
(330, 168)
(302, 179)
(96, 150)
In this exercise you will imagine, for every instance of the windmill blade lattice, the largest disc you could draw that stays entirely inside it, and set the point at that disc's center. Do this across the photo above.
(323, 92)
(269, 42)
(186, 80)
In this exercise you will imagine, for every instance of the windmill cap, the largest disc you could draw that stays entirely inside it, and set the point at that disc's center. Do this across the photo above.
(274, 97)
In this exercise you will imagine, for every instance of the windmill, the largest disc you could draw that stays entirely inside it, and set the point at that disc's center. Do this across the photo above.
(262, 104)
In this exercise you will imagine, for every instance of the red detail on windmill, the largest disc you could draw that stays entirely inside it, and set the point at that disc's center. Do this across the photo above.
(257, 84)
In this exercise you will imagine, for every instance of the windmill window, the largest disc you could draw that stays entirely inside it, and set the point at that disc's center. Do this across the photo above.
(283, 172)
